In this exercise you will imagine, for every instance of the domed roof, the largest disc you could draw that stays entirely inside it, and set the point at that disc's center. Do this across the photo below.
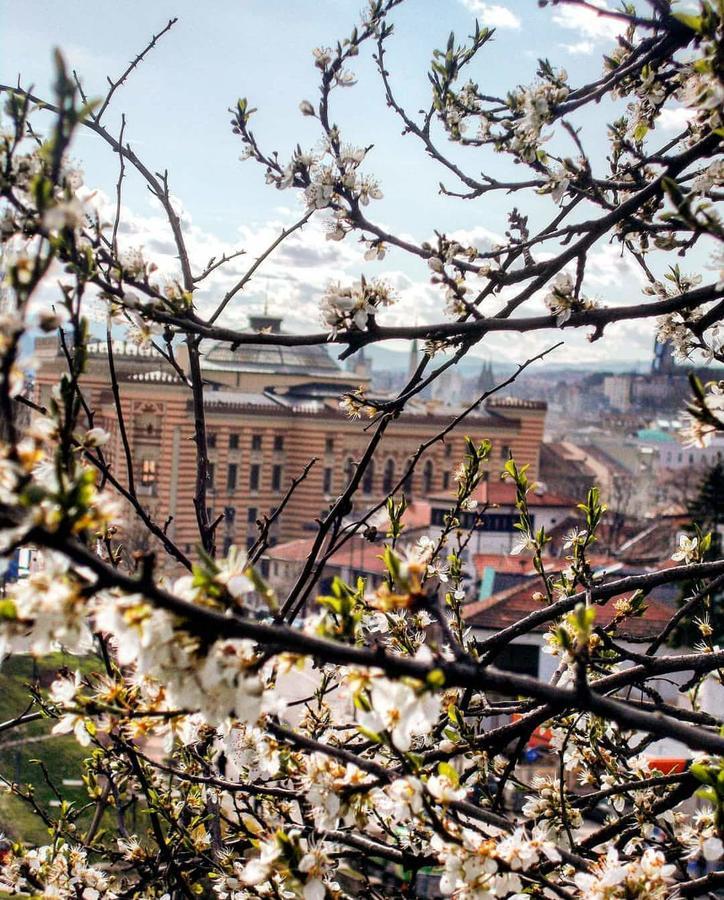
(304, 360)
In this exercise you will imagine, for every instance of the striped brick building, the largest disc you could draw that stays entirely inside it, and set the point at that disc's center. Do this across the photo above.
(268, 412)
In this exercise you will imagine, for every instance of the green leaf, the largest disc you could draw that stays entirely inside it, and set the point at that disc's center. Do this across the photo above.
(8, 610)
(693, 22)
(447, 771)
(707, 793)
(370, 735)
(701, 772)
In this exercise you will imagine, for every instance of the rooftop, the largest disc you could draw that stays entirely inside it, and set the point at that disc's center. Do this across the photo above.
(357, 554)
(515, 403)
(502, 493)
(509, 606)
(311, 360)
(507, 564)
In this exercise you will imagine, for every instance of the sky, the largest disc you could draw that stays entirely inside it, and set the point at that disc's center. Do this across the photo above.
(176, 107)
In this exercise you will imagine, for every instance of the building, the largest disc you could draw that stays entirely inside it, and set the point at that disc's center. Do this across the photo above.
(674, 455)
(269, 411)
(618, 391)
(526, 655)
(496, 514)
(564, 469)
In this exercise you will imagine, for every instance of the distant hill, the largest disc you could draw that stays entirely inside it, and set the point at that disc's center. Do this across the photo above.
(382, 358)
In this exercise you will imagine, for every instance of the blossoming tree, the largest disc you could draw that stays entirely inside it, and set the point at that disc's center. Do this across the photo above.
(402, 757)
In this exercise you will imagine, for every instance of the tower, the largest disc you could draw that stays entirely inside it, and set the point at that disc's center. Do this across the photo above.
(360, 365)
(663, 362)
(486, 378)
(414, 360)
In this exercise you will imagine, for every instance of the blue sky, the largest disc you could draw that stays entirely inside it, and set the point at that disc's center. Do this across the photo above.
(176, 105)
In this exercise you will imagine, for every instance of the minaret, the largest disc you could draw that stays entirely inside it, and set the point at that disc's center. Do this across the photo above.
(414, 360)
(361, 364)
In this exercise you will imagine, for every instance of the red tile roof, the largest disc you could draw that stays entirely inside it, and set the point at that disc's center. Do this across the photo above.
(502, 563)
(507, 564)
(502, 493)
(416, 515)
(356, 554)
(509, 606)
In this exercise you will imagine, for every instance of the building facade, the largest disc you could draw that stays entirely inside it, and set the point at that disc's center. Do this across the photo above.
(269, 411)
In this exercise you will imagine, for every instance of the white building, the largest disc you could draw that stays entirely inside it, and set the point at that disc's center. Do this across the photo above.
(495, 516)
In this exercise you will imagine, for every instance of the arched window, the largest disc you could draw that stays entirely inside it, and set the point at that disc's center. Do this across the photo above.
(368, 479)
(388, 477)
(428, 475)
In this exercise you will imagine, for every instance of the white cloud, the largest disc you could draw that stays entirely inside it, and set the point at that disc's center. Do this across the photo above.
(589, 24)
(293, 279)
(581, 48)
(479, 236)
(606, 267)
(492, 14)
(675, 118)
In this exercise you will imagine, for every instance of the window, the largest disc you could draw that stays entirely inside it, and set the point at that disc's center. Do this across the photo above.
(148, 472)
(256, 442)
(388, 477)
(276, 478)
(327, 480)
(505, 452)
(229, 514)
(519, 658)
(445, 480)
(329, 445)
(233, 441)
(251, 515)
(427, 477)
(278, 442)
(349, 468)
(368, 479)
(231, 474)
(448, 451)
(210, 476)
(211, 439)
(499, 522)
(254, 471)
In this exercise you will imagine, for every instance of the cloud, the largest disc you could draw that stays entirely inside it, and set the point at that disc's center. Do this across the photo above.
(494, 15)
(581, 48)
(293, 279)
(589, 24)
(675, 118)
(479, 236)
(608, 268)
